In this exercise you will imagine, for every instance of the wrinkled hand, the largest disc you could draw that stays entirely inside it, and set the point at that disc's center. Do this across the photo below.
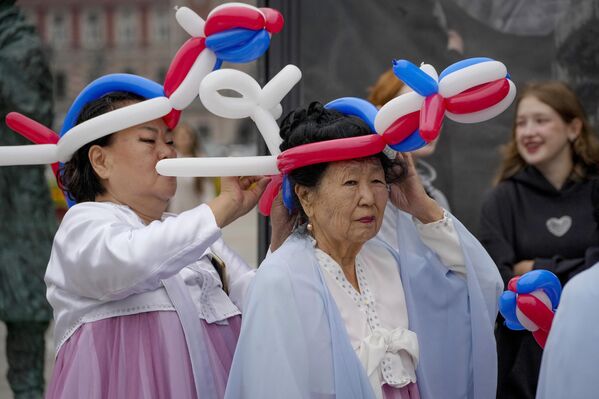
(409, 194)
(237, 197)
(281, 222)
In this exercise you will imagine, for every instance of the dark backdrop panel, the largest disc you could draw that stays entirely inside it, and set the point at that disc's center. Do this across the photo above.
(342, 47)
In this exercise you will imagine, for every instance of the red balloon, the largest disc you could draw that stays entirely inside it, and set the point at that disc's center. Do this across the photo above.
(172, 118)
(533, 308)
(402, 128)
(274, 19)
(541, 337)
(478, 97)
(330, 151)
(511, 285)
(233, 17)
(269, 194)
(431, 117)
(32, 130)
(182, 63)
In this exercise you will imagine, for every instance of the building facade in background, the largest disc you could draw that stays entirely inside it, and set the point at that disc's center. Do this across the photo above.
(86, 39)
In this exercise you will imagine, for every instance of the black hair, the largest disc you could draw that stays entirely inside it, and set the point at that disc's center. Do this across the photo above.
(77, 177)
(320, 124)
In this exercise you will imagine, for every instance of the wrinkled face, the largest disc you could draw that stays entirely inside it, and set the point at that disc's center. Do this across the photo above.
(131, 159)
(542, 136)
(349, 202)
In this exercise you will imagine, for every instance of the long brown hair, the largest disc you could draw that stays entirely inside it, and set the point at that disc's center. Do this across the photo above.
(560, 97)
(385, 89)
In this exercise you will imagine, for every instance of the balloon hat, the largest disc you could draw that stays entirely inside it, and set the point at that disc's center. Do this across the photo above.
(468, 91)
(232, 32)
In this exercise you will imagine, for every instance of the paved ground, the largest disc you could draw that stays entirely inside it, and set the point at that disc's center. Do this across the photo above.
(241, 235)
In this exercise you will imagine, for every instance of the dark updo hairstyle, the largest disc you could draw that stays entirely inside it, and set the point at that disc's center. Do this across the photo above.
(77, 177)
(320, 124)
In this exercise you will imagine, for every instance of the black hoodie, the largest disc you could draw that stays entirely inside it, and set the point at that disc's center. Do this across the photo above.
(526, 218)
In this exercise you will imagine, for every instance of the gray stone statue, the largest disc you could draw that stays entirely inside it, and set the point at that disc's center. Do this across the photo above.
(27, 216)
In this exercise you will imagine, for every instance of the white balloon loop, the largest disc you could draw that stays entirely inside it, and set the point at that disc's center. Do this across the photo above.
(396, 108)
(487, 113)
(188, 89)
(470, 76)
(191, 22)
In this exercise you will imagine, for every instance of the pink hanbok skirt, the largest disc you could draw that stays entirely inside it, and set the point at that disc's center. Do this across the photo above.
(410, 391)
(138, 356)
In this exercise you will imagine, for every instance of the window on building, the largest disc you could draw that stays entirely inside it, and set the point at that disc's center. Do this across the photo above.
(161, 25)
(93, 32)
(59, 32)
(128, 29)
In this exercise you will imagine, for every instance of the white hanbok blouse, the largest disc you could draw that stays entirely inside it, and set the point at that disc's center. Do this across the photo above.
(376, 318)
(106, 262)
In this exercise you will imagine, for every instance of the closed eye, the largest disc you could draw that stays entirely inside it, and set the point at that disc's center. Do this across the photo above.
(152, 141)
(350, 183)
(377, 181)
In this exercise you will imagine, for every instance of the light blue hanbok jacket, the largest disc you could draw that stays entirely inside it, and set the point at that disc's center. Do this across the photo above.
(294, 344)
(570, 365)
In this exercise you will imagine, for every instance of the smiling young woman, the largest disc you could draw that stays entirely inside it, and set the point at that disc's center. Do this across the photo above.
(539, 215)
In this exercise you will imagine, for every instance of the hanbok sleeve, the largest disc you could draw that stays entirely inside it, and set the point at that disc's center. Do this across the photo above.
(569, 365)
(239, 273)
(271, 359)
(98, 254)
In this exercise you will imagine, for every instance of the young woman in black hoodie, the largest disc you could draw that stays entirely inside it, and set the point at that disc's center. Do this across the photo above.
(540, 214)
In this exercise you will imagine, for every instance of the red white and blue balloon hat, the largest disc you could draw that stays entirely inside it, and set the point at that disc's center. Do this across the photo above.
(232, 32)
(468, 91)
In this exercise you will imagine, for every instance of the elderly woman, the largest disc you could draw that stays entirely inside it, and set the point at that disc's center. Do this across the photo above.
(368, 298)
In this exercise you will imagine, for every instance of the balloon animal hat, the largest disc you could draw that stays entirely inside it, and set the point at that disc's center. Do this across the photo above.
(469, 91)
(232, 32)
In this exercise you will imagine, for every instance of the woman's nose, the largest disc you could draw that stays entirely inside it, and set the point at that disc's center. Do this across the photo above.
(366, 195)
(167, 151)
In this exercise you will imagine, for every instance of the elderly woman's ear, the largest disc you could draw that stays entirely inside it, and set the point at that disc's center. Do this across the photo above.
(306, 197)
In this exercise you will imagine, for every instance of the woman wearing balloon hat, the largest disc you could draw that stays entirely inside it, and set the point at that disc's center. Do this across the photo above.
(539, 216)
(378, 292)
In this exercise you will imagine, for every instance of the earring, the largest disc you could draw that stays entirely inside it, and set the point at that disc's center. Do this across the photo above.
(309, 227)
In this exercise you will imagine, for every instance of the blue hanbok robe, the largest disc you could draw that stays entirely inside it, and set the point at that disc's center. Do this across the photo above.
(570, 365)
(294, 344)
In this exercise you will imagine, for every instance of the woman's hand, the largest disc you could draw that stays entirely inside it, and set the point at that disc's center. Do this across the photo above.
(237, 197)
(409, 195)
(281, 223)
(524, 266)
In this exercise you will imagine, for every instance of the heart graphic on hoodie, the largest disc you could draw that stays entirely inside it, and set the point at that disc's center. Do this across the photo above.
(559, 227)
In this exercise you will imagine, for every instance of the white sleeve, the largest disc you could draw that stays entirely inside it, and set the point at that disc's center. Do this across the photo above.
(442, 238)
(97, 253)
(239, 273)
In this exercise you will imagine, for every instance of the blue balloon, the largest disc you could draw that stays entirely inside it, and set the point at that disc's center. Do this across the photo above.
(462, 64)
(507, 308)
(411, 143)
(247, 51)
(229, 39)
(541, 279)
(356, 107)
(143, 87)
(415, 77)
(287, 191)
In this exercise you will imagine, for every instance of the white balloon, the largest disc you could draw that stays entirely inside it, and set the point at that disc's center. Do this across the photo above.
(395, 109)
(35, 154)
(188, 89)
(487, 113)
(260, 104)
(276, 111)
(430, 71)
(225, 106)
(470, 76)
(525, 321)
(269, 129)
(217, 166)
(233, 4)
(278, 87)
(191, 22)
(110, 122)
